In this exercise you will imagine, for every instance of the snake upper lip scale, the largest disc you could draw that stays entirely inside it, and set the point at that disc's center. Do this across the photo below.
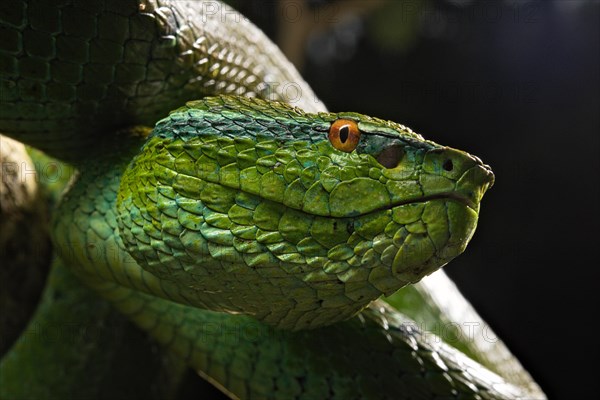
(485, 182)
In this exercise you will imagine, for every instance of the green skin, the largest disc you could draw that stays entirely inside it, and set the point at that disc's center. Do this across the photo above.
(246, 207)
(238, 354)
(239, 205)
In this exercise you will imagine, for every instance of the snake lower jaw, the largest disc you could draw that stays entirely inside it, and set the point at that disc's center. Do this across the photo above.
(445, 227)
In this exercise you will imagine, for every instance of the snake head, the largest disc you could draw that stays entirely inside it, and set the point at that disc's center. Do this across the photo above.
(299, 219)
(423, 198)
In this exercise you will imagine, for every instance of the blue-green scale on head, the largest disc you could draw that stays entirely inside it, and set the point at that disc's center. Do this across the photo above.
(298, 219)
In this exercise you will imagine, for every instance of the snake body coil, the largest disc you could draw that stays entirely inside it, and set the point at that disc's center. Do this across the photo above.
(234, 205)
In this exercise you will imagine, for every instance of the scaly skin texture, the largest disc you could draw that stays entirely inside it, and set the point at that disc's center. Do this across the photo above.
(77, 345)
(248, 208)
(73, 72)
(378, 354)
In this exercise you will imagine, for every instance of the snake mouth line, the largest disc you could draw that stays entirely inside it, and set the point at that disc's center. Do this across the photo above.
(453, 196)
(458, 197)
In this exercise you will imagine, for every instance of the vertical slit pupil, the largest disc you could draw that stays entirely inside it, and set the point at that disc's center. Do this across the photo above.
(344, 131)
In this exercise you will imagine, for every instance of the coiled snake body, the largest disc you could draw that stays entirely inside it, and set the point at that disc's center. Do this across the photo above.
(232, 205)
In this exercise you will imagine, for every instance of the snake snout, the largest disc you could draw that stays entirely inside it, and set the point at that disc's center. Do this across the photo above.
(457, 173)
(453, 183)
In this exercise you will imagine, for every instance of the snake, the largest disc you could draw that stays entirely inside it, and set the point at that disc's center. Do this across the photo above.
(250, 231)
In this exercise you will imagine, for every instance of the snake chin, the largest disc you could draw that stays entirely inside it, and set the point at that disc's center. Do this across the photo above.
(444, 227)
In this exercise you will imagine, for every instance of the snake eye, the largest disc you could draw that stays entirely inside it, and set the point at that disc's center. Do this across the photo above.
(344, 135)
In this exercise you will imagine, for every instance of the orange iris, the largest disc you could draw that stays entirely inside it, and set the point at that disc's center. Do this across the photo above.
(344, 135)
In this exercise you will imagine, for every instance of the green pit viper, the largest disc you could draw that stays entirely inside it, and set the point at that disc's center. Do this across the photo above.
(238, 207)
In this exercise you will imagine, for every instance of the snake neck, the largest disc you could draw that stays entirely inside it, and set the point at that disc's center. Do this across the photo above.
(84, 225)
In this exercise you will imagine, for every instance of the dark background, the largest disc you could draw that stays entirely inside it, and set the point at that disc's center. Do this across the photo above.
(516, 83)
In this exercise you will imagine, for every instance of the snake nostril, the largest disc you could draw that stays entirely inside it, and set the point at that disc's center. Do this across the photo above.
(448, 165)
